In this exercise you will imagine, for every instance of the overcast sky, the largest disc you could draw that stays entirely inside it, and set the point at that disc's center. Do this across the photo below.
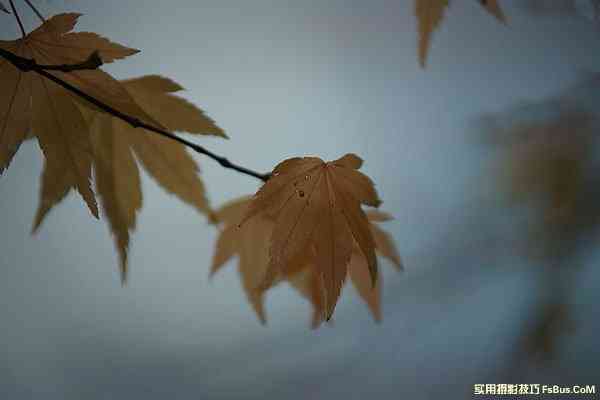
(288, 78)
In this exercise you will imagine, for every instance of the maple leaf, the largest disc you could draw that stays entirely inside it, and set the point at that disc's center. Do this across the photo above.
(541, 340)
(31, 106)
(430, 14)
(550, 167)
(115, 142)
(250, 243)
(317, 203)
(310, 285)
(308, 281)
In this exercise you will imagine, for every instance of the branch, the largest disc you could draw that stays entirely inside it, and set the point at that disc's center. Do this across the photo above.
(29, 64)
(35, 10)
(16, 14)
(93, 62)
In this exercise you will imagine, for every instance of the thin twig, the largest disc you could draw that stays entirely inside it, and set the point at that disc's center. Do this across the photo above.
(16, 14)
(39, 15)
(92, 62)
(29, 64)
(26, 65)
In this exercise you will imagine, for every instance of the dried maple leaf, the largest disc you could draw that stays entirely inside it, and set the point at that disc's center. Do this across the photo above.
(541, 341)
(114, 144)
(251, 244)
(430, 14)
(30, 105)
(317, 203)
(550, 167)
(309, 283)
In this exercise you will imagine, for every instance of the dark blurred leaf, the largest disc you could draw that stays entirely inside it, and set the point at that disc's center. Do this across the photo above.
(551, 167)
(541, 341)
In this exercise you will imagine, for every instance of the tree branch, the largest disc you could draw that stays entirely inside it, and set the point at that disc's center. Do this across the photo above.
(93, 62)
(35, 10)
(16, 14)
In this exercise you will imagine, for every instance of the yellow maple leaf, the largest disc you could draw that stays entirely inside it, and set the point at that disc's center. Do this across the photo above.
(114, 144)
(310, 285)
(317, 203)
(308, 281)
(430, 14)
(32, 106)
(357, 267)
(250, 243)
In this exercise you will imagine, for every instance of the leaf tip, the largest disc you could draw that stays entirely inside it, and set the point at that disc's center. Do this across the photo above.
(37, 221)
(399, 265)
(35, 228)
(222, 134)
(124, 279)
(374, 278)
(329, 313)
(422, 56)
(124, 271)
(213, 218)
(95, 212)
(316, 321)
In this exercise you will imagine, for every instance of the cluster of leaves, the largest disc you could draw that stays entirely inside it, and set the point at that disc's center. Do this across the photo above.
(310, 213)
(74, 135)
(549, 165)
(305, 225)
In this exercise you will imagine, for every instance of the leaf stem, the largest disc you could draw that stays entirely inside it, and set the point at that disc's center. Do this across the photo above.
(35, 10)
(18, 18)
(26, 65)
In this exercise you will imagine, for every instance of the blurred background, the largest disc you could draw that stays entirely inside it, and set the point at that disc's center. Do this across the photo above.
(488, 159)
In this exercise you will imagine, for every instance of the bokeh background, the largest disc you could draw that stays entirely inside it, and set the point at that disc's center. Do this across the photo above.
(498, 236)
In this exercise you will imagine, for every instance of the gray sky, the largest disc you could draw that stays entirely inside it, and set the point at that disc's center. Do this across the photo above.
(285, 79)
